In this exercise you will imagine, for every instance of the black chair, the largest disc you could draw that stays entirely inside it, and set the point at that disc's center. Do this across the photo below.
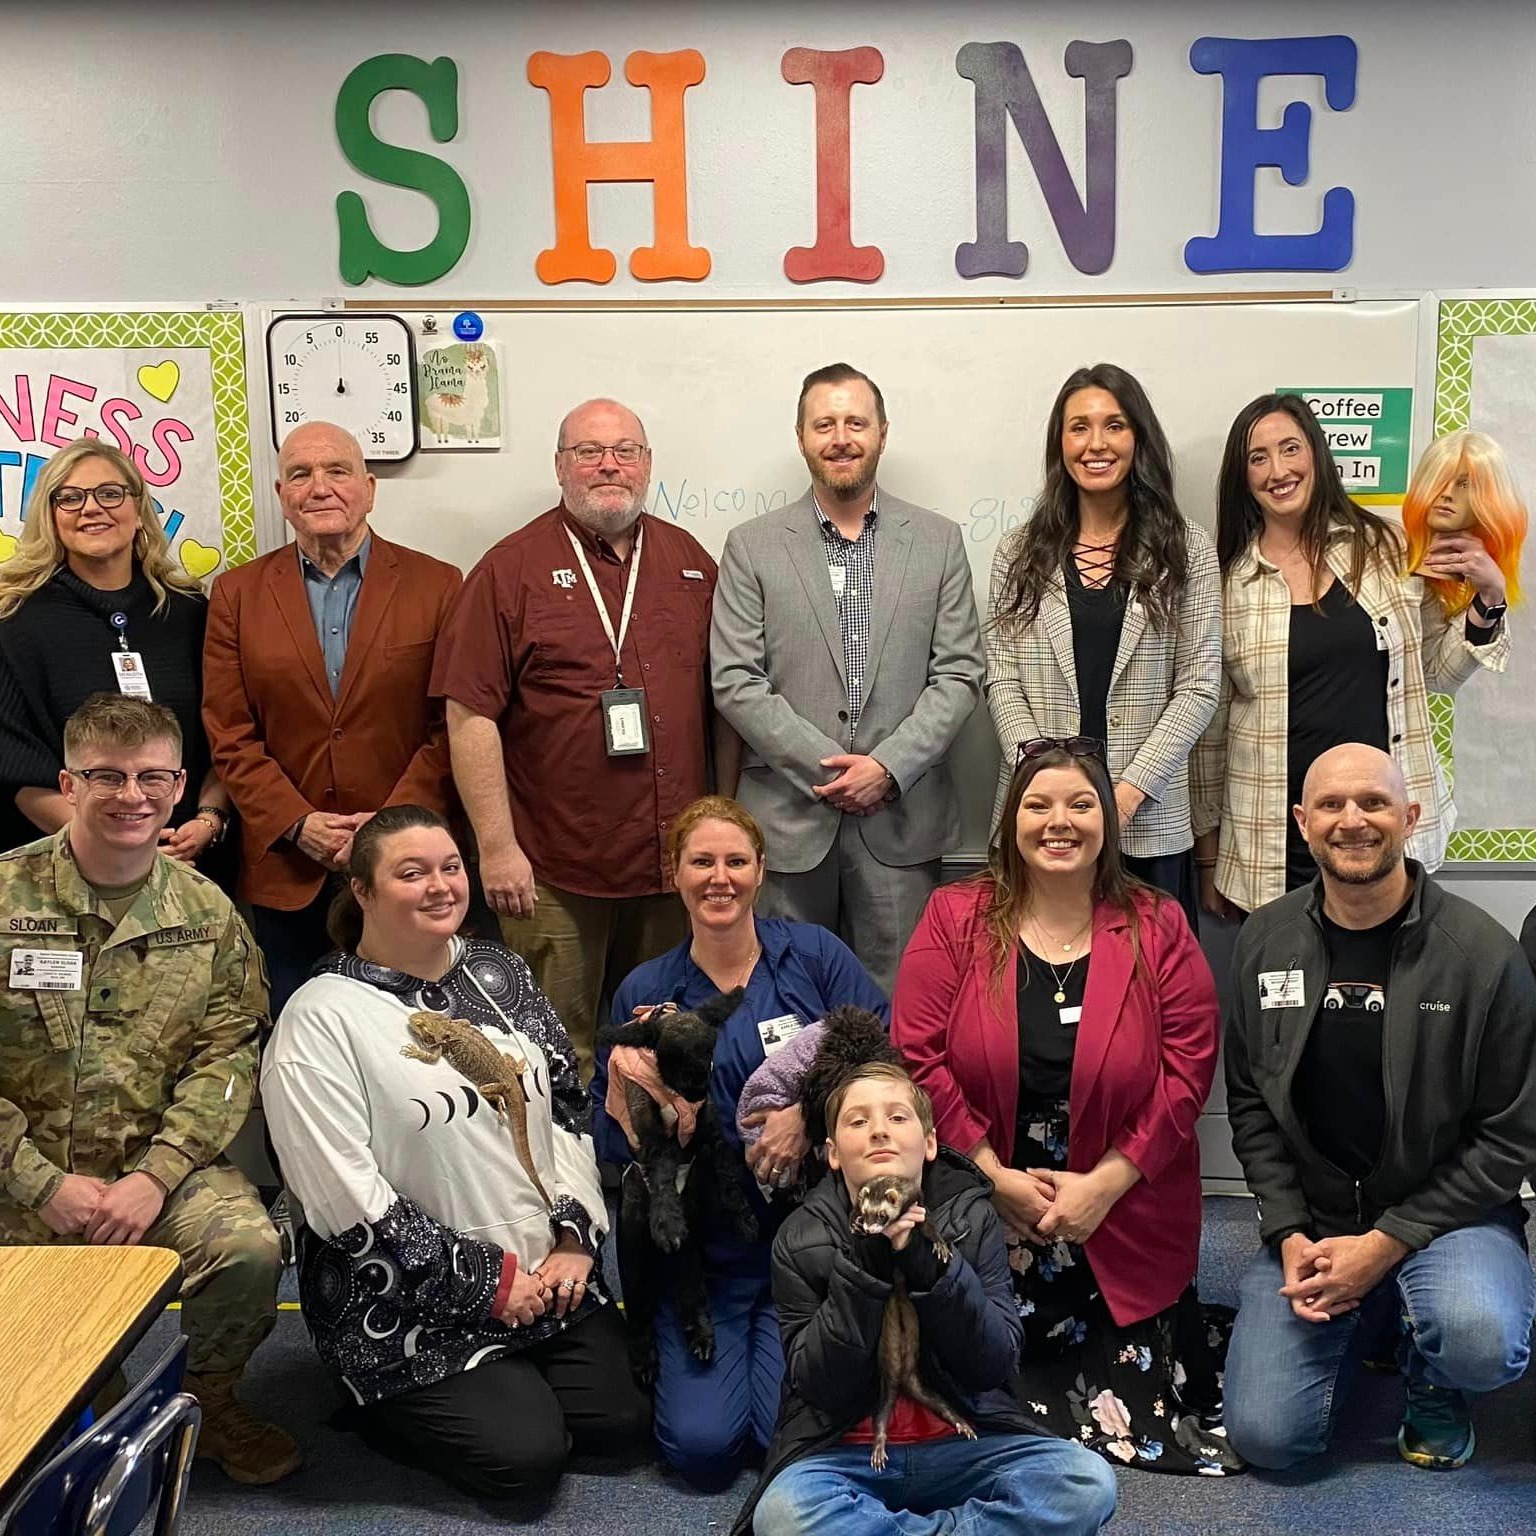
(136, 1458)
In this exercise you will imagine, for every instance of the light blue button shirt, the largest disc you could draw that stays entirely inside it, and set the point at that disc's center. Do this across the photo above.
(332, 602)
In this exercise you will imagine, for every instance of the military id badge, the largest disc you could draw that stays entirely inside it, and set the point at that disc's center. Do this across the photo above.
(624, 722)
(47, 970)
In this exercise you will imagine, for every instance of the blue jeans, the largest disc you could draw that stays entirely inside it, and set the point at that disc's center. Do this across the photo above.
(1466, 1300)
(999, 1485)
(708, 1415)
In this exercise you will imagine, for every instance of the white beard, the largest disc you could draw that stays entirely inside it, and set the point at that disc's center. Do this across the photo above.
(607, 517)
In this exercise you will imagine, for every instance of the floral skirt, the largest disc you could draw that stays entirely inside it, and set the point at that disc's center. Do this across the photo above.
(1147, 1395)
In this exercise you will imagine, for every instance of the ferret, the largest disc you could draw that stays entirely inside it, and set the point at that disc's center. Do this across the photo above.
(879, 1202)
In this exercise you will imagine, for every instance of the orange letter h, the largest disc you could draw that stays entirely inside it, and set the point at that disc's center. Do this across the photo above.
(661, 160)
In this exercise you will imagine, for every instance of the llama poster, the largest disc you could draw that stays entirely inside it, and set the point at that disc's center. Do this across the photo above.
(459, 395)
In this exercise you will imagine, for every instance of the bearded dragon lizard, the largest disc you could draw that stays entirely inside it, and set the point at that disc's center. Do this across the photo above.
(498, 1077)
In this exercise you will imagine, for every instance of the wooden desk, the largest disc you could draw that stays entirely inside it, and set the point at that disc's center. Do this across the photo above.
(68, 1315)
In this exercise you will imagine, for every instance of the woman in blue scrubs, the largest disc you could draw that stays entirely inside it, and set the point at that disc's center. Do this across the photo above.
(709, 1416)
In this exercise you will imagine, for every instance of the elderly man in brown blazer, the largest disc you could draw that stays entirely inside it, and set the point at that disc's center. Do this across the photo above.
(315, 673)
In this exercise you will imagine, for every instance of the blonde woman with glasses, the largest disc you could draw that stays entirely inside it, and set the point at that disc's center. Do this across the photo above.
(92, 602)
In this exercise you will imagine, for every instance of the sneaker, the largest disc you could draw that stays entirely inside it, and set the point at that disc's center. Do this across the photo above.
(247, 1449)
(1436, 1431)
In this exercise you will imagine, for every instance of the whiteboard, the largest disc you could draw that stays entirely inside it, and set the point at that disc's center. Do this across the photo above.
(967, 391)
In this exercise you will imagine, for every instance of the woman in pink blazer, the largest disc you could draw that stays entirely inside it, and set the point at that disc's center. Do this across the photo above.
(1064, 1022)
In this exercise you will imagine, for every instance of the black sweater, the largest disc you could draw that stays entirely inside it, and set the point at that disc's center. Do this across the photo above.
(56, 649)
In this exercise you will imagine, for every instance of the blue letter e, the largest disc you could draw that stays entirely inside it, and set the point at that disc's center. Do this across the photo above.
(1237, 246)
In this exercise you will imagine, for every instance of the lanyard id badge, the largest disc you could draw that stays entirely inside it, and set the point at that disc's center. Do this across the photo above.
(132, 679)
(625, 730)
(624, 724)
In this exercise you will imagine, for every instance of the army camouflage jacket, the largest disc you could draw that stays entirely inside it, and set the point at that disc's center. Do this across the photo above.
(150, 1064)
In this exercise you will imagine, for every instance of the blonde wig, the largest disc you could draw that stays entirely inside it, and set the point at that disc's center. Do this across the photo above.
(40, 553)
(1498, 511)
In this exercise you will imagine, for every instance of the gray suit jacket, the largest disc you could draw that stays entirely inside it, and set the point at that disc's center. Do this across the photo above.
(776, 654)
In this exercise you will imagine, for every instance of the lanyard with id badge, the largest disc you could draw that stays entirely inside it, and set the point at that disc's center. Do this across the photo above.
(132, 679)
(624, 724)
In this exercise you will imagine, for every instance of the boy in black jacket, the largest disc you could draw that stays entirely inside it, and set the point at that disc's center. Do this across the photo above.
(830, 1285)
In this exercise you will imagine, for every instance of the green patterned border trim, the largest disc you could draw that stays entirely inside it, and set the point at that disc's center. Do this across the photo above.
(1462, 321)
(223, 334)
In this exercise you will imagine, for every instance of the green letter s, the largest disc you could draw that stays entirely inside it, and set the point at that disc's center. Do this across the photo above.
(362, 254)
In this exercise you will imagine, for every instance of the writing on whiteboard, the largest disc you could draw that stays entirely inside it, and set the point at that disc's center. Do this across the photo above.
(677, 499)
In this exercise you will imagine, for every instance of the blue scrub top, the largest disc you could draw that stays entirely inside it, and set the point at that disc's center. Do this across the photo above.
(803, 970)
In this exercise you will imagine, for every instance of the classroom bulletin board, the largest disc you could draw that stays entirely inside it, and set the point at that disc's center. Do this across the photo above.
(168, 387)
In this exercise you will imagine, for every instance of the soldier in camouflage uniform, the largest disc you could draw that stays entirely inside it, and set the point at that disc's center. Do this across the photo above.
(128, 1044)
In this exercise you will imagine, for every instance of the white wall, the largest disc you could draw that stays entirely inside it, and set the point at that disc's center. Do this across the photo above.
(187, 151)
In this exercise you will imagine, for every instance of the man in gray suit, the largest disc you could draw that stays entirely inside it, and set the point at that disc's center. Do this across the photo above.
(846, 720)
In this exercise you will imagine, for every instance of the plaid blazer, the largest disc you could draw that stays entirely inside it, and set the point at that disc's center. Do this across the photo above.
(1161, 694)
(1239, 767)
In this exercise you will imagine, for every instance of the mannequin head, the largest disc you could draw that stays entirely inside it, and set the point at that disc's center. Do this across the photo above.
(1463, 484)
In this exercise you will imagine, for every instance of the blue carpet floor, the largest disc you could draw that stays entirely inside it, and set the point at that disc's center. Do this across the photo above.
(344, 1489)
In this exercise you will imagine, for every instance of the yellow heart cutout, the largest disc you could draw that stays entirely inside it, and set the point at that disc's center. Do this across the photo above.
(160, 381)
(7, 546)
(197, 560)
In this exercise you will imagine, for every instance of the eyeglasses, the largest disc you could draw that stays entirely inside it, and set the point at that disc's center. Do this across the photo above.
(589, 455)
(70, 498)
(1073, 746)
(108, 783)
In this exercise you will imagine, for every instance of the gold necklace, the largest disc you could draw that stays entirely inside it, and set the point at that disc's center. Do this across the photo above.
(1071, 943)
(1061, 977)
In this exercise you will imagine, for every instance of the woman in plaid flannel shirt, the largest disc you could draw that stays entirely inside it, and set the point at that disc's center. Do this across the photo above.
(1326, 639)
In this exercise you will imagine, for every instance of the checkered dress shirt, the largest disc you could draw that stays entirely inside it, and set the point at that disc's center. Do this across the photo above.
(856, 559)
(1238, 770)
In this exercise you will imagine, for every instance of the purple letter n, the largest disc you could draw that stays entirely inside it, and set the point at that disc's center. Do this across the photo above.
(1003, 85)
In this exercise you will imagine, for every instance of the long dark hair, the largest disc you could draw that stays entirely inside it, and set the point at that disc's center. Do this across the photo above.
(1153, 557)
(344, 920)
(1008, 875)
(1239, 520)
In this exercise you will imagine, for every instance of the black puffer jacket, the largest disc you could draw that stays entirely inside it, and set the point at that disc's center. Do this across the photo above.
(830, 1309)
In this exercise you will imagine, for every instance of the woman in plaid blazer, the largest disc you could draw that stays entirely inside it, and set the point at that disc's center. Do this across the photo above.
(1326, 640)
(1105, 619)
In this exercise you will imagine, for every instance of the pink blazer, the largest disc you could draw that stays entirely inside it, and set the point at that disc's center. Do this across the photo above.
(1146, 1053)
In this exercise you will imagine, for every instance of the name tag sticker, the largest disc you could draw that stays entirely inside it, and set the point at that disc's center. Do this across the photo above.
(132, 679)
(777, 1033)
(693, 575)
(47, 970)
(1282, 989)
(839, 579)
(1071, 1015)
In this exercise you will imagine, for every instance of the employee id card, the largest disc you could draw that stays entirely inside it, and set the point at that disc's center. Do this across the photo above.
(624, 723)
(132, 679)
(47, 970)
(1282, 989)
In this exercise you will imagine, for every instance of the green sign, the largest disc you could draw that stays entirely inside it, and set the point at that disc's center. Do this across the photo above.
(1367, 429)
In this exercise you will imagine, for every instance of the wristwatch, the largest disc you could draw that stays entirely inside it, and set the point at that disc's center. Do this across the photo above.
(1488, 616)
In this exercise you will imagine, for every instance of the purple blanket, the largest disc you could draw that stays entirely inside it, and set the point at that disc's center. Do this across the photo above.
(777, 1083)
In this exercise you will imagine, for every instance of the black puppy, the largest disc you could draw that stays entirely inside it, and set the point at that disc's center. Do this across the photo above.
(669, 1205)
(853, 1038)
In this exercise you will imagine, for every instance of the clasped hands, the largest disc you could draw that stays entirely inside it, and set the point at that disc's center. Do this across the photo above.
(1326, 1279)
(860, 787)
(111, 1214)
(327, 837)
(1050, 1205)
(556, 1286)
